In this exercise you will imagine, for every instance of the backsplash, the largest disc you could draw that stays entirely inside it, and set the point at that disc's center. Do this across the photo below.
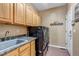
(14, 30)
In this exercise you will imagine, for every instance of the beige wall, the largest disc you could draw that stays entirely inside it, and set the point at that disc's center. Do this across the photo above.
(14, 30)
(56, 33)
(76, 40)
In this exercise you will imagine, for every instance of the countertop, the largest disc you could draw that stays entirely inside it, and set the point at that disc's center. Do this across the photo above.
(4, 51)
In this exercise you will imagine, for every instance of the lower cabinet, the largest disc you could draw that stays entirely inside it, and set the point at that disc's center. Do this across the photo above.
(25, 50)
(12, 53)
(33, 52)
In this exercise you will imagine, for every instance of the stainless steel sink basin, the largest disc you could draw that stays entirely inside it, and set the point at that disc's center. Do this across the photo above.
(10, 43)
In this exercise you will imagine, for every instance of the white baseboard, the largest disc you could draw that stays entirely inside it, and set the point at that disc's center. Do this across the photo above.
(57, 46)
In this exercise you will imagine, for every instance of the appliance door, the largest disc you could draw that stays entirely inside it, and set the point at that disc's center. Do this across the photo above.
(46, 37)
(40, 41)
(38, 33)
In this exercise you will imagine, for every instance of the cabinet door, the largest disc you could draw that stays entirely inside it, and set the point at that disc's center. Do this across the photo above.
(29, 15)
(38, 21)
(13, 53)
(6, 12)
(33, 52)
(34, 19)
(19, 10)
(24, 47)
(26, 52)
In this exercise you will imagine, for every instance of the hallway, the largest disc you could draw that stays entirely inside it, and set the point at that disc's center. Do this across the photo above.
(52, 51)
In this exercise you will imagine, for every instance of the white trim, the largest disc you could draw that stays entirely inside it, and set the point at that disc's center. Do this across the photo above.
(57, 46)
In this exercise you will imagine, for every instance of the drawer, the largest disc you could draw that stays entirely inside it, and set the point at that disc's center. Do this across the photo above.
(25, 52)
(12, 53)
(24, 47)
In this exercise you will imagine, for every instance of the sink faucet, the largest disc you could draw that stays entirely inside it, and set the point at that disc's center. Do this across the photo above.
(6, 33)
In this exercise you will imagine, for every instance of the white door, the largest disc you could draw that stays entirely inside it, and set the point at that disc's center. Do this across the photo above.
(69, 36)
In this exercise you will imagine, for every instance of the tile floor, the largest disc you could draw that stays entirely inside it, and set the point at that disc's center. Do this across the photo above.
(52, 51)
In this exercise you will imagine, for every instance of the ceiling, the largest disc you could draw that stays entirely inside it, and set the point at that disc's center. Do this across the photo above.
(45, 6)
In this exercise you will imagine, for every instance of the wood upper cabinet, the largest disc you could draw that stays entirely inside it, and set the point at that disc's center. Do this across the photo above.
(29, 15)
(38, 21)
(34, 19)
(6, 13)
(19, 13)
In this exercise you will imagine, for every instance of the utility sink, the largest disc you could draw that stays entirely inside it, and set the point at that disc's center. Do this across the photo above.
(10, 43)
